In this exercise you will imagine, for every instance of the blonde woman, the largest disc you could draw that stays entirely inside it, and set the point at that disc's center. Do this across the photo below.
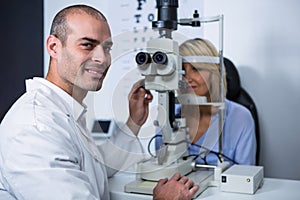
(203, 79)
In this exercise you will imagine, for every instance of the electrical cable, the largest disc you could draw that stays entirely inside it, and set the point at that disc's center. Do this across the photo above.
(218, 154)
(149, 151)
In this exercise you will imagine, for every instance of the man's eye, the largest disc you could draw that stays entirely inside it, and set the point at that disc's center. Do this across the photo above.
(87, 45)
(107, 49)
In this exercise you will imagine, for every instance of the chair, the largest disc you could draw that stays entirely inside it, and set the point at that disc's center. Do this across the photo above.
(236, 93)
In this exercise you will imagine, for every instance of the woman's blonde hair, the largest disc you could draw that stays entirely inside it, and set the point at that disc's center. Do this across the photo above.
(202, 47)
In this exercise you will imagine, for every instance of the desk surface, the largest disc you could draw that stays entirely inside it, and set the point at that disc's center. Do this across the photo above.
(271, 189)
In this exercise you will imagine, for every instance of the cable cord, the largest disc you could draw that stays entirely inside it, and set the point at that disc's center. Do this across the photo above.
(218, 154)
(149, 143)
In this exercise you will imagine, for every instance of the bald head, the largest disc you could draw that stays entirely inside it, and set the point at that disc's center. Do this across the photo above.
(60, 28)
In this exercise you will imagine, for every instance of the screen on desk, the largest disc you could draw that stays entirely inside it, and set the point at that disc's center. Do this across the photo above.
(101, 127)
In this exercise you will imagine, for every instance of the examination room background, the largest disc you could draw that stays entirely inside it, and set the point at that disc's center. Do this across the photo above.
(260, 37)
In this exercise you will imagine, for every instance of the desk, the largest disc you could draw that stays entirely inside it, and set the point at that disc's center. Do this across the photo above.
(274, 189)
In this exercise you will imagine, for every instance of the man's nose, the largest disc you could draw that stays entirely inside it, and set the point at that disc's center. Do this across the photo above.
(98, 55)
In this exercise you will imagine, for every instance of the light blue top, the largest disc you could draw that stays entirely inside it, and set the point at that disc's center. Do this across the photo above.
(239, 141)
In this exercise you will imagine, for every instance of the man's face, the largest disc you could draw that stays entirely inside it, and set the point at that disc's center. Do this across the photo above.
(85, 58)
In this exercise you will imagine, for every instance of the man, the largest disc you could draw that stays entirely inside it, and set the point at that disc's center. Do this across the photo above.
(46, 150)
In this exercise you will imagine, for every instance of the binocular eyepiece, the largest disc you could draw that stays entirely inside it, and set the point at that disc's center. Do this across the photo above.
(143, 58)
(160, 58)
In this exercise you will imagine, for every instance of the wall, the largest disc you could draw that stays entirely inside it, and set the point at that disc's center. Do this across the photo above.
(21, 50)
(262, 39)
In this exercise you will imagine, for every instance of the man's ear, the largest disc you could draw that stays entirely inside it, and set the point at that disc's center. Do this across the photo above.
(52, 45)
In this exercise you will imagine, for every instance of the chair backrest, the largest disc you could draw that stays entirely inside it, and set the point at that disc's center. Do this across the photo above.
(236, 93)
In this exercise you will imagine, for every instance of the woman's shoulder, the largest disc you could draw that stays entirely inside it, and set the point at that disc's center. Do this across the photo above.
(237, 110)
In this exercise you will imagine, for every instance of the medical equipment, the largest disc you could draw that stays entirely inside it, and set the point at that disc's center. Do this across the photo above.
(161, 65)
(103, 128)
(242, 179)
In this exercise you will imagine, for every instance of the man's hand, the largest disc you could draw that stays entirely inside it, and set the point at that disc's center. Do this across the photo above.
(177, 188)
(139, 99)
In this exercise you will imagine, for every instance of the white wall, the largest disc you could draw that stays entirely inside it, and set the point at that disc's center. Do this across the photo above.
(262, 39)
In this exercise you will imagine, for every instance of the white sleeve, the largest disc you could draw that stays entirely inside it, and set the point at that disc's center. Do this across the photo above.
(42, 165)
(122, 150)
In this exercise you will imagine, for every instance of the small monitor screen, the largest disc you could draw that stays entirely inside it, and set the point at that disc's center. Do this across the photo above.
(101, 126)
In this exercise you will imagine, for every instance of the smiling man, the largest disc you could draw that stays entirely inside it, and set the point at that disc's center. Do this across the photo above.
(46, 151)
(80, 53)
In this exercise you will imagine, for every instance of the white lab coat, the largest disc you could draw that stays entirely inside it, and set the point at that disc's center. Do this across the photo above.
(47, 153)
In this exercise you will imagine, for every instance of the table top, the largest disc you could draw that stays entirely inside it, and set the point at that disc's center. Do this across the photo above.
(271, 189)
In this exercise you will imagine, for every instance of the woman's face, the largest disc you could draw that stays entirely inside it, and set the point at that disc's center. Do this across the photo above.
(197, 80)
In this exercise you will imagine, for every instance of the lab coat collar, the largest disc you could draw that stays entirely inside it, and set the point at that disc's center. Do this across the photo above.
(74, 108)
